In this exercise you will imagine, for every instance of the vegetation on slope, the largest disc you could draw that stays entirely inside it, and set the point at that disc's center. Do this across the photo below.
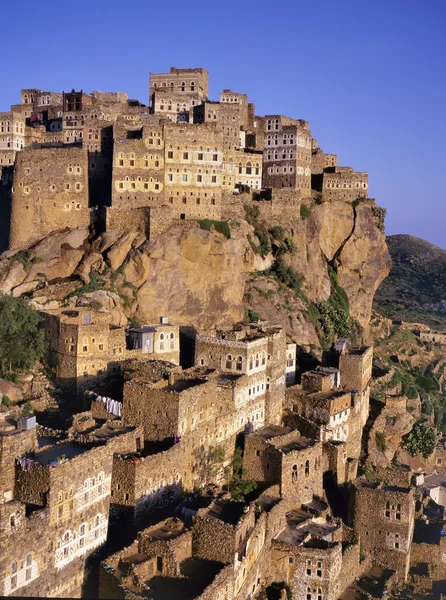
(415, 289)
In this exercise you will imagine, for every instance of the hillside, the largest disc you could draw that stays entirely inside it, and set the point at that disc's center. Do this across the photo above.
(415, 289)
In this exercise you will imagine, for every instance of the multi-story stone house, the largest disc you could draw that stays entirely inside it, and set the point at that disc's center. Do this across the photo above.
(287, 154)
(54, 510)
(256, 350)
(84, 348)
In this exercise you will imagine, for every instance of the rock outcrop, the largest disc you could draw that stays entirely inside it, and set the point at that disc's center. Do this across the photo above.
(203, 279)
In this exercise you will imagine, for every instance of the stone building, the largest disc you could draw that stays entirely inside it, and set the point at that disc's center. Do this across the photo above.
(256, 350)
(276, 455)
(435, 337)
(321, 161)
(193, 173)
(50, 190)
(56, 513)
(317, 556)
(341, 184)
(84, 348)
(388, 536)
(174, 94)
(287, 154)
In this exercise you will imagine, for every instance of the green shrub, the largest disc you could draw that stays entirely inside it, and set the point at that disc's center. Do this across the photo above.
(27, 409)
(421, 439)
(277, 233)
(286, 275)
(252, 316)
(220, 226)
(252, 213)
(305, 211)
(6, 401)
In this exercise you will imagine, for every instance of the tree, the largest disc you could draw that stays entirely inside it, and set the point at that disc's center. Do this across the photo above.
(210, 462)
(421, 439)
(21, 340)
(235, 473)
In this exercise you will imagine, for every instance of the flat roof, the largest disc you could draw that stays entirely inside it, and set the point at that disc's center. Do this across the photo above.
(229, 511)
(300, 444)
(53, 453)
(300, 530)
(166, 530)
(270, 431)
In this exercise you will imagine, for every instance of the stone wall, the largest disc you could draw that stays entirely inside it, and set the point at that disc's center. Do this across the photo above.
(50, 191)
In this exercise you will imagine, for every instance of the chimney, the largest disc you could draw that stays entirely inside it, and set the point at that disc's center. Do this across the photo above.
(164, 320)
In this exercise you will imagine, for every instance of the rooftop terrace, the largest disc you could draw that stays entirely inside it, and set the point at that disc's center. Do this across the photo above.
(302, 529)
(166, 530)
(51, 455)
(228, 511)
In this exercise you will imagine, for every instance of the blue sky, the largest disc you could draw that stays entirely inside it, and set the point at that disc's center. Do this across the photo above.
(369, 76)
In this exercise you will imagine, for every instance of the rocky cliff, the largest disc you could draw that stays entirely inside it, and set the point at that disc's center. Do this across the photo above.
(282, 269)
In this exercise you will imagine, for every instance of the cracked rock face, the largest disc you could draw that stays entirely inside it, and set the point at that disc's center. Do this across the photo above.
(364, 261)
(201, 278)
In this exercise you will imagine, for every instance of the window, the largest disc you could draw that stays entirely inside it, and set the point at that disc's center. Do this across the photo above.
(214, 178)
(159, 564)
(185, 155)
(239, 363)
(28, 560)
(215, 157)
(184, 178)
(200, 156)
(229, 362)
(28, 574)
(307, 468)
(14, 581)
(170, 154)
(14, 566)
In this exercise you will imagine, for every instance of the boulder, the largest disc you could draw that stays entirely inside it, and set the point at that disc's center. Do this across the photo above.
(118, 252)
(13, 391)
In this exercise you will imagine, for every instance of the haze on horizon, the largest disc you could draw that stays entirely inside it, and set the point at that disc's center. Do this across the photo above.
(369, 78)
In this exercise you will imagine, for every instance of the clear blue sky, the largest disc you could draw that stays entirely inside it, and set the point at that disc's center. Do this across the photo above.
(368, 75)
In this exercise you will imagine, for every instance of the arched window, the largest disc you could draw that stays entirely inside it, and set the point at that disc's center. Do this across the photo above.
(172, 342)
(257, 361)
(229, 362)
(28, 560)
(263, 358)
(161, 341)
(14, 566)
(183, 86)
(251, 364)
(248, 168)
(294, 473)
(192, 86)
(239, 363)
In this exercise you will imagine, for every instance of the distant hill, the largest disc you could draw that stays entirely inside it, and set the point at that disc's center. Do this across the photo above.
(415, 289)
